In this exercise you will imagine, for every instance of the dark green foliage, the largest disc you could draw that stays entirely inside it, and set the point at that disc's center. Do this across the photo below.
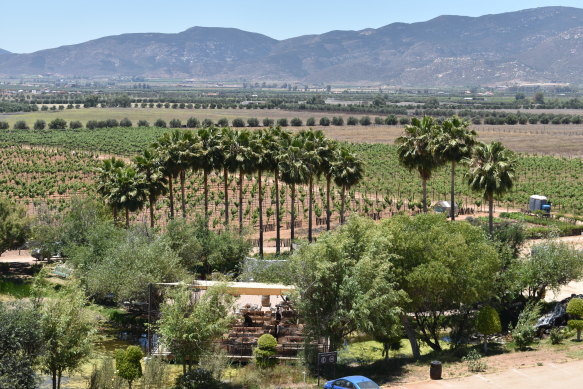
(524, 333)
(160, 123)
(58, 124)
(365, 121)
(324, 121)
(14, 225)
(4, 125)
(310, 122)
(267, 122)
(557, 335)
(192, 122)
(238, 122)
(253, 122)
(40, 124)
(352, 121)
(20, 125)
(223, 122)
(296, 122)
(196, 379)
(75, 124)
(125, 122)
(175, 123)
(575, 310)
(143, 123)
(282, 122)
(128, 364)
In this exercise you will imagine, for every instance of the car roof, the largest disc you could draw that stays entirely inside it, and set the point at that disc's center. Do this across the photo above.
(357, 378)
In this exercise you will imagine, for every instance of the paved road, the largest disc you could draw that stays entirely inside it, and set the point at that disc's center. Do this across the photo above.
(548, 376)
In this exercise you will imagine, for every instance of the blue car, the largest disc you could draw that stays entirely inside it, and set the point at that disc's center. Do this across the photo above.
(351, 382)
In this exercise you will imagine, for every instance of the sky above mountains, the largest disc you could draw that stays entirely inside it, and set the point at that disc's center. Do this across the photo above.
(35, 25)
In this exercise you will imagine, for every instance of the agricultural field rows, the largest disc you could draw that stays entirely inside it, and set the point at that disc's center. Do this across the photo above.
(56, 164)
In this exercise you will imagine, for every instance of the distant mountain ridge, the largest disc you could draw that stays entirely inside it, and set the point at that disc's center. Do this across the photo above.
(534, 45)
(2, 51)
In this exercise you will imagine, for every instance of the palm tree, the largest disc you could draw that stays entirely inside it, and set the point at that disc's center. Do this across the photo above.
(453, 144)
(208, 159)
(327, 154)
(263, 160)
(415, 150)
(129, 191)
(106, 182)
(492, 168)
(312, 142)
(347, 171)
(294, 171)
(227, 139)
(149, 165)
(275, 142)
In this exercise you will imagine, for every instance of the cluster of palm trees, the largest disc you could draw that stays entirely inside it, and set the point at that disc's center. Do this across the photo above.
(294, 159)
(428, 145)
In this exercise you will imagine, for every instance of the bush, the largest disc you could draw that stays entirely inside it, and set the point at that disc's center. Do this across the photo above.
(160, 123)
(391, 120)
(125, 122)
(282, 122)
(337, 121)
(155, 374)
(196, 379)
(575, 309)
(57, 124)
(524, 333)
(352, 121)
(4, 125)
(175, 123)
(143, 123)
(296, 122)
(378, 120)
(311, 122)
(20, 125)
(488, 323)
(324, 121)
(474, 361)
(238, 122)
(223, 122)
(557, 335)
(267, 122)
(192, 123)
(365, 121)
(206, 123)
(128, 363)
(39, 125)
(75, 124)
(253, 122)
(111, 123)
(265, 351)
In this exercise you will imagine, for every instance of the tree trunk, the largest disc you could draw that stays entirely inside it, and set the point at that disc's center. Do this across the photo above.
(171, 194)
(310, 194)
(59, 375)
(114, 209)
(452, 210)
(343, 201)
(424, 183)
(491, 214)
(226, 179)
(127, 218)
(152, 201)
(328, 213)
(240, 200)
(182, 192)
(277, 220)
(293, 216)
(54, 379)
(411, 336)
(260, 215)
(205, 178)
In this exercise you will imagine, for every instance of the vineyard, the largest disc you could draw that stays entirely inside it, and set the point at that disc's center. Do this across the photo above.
(50, 166)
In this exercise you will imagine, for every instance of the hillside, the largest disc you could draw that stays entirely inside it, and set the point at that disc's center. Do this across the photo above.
(535, 45)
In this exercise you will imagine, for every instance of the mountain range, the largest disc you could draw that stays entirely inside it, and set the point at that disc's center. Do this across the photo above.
(536, 45)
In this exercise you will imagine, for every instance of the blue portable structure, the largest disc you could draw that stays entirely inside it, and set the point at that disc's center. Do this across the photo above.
(539, 203)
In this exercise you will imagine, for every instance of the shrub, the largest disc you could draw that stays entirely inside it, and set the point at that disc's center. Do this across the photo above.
(324, 121)
(282, 122)
(20, 125)
(365, 121)
(391, 120)
(524, 333)
(125, 122)
(75, 124)
(267, 122)
(128, 363)
(378, 120)
(160, 123)
(143, 123)
(265, 351)
(253, 122)
(474, 361)
(58, 124)
(337, 121)
(488, 323)
(206, 123)
(557, 335)
(404, 120)
(575, 309)
(192, 122)
(40, 125)
(175, 123)
(223, 122)
(296, 122)
(4, 125)
(238, 122)
(111, 123)
(311, 122)
(196, 379)
(352, 121)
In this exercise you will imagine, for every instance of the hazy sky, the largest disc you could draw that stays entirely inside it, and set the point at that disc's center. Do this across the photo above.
(30, 25)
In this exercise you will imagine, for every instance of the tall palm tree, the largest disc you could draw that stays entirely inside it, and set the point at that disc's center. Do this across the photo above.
(327, 153)
(312, 142)
(454, 143)
(294, 171)
(106, 182)
(492, 168)
(415, 150)
(275, 143)
(167, 148)
(208, 159)
(227, 139)
(347, 171)
(263, 160)
(129, 191)
(149, 165)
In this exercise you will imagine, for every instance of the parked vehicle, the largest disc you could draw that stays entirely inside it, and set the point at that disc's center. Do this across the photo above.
(351, 382)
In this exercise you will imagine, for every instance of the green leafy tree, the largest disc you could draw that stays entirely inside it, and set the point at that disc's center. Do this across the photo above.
(20, 125)
(40, 124)
(128, 364)
(188, 329)
(488, 323)
(150, 166)
(265, 351)
(492, 168)
(107, 181)
(14, 225)
(454, 143)
(57, 124)
(575, 309)
(347, 171)
(415, 150)
(342, 288)
(160, 123)
(68, 331)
